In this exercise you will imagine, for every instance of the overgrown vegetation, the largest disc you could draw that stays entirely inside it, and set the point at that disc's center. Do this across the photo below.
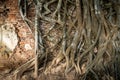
(82, 34)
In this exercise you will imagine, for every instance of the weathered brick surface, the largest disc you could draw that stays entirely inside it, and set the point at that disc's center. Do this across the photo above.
(25, 48)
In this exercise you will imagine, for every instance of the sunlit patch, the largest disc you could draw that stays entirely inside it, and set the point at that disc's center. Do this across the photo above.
(8, 36)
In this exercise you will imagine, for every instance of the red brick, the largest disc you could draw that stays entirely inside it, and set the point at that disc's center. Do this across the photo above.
(12, 18)
(12, 3)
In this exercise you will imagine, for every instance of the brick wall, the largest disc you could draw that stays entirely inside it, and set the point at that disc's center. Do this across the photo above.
(9, 13)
